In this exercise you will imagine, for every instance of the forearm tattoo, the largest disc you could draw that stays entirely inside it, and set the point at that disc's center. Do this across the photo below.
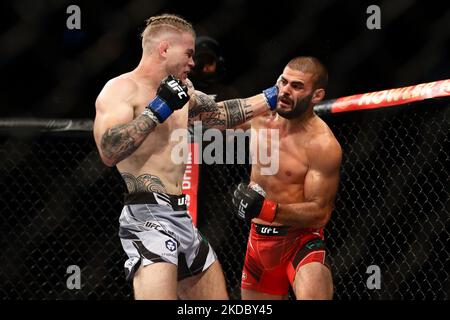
(122, 140)
(143, 183)
(238, 112)
(207, 111)
(226, 114)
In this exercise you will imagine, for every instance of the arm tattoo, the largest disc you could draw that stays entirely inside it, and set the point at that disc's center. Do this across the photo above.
(122, 140)
(143, 183)
(238, 111)
(226, 114)
(207, 111)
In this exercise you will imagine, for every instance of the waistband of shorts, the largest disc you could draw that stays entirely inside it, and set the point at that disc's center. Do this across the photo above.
(177, 202)
(266, 230)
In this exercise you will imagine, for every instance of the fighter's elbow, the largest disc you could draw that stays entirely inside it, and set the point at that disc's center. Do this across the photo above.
(322, 218)
(108, 161)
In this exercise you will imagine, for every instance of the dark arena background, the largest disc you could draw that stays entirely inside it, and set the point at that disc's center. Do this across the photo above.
(60, 204)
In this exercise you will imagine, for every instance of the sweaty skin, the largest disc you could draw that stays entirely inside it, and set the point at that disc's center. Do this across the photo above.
(145, 168)
(139, 147)
(306, 182)
(299, 153)
(149, 167)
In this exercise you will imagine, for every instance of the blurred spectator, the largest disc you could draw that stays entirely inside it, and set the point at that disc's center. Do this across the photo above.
(209, 72)
(208, 76)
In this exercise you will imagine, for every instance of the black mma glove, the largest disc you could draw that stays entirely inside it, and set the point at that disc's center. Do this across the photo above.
(250, 203)
(170, 96)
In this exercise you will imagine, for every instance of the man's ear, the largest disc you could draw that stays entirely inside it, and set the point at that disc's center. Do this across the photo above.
(318, 95)
(162, 48)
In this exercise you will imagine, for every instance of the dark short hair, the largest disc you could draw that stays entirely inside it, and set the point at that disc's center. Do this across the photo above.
(311, 65)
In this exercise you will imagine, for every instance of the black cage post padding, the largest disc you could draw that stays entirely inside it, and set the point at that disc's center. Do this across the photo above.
(60, 206)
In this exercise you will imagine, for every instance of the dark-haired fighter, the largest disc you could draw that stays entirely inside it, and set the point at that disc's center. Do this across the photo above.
(288, 210)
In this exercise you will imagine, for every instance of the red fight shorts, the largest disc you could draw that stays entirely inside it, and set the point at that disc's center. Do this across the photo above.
(274, 254)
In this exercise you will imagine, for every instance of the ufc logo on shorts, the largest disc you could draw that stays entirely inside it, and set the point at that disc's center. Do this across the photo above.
(242, 207)
(175, 86)
(267, 230)
(182, 201)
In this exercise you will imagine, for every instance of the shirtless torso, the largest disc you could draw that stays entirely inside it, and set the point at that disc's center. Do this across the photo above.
(149, 167)
(290, 207)
(299, 150)
(136, 115)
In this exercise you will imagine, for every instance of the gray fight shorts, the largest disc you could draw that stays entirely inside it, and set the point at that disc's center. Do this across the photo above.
(155, 227)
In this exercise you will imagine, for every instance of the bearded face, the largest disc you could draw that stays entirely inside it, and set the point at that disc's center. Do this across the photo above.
(290, 108)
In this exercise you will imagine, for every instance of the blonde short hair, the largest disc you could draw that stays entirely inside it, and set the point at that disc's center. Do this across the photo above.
(165, 23)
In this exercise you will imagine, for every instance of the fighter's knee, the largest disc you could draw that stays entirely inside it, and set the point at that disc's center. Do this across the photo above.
(315, 294)
(313, 282)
